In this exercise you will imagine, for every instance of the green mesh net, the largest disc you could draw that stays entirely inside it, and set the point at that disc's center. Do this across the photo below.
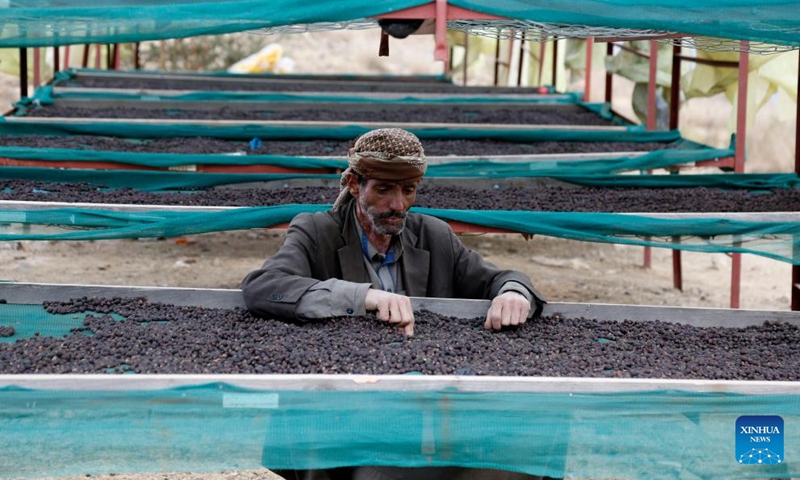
(54, 22)
(677, 150)
(777, 239)
(612, 163)
(49, 95)
(219, 426)
(246, 131)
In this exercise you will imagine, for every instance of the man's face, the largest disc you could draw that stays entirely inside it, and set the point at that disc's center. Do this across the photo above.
(385, 203)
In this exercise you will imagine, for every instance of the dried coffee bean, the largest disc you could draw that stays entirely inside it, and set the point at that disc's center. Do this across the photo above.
(550, 199)
(403, 114)
(163, 338)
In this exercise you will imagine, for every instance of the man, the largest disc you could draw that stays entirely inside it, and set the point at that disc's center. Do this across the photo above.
(369, 254)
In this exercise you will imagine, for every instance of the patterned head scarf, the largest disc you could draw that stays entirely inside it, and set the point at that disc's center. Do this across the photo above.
(385, 153)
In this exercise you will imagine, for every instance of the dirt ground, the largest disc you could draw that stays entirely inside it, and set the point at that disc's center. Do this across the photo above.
(563, 270)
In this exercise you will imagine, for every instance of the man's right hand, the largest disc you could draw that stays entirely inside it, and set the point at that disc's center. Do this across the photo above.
(392, 308)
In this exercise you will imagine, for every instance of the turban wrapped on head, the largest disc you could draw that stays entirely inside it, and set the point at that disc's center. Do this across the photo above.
(386, 154)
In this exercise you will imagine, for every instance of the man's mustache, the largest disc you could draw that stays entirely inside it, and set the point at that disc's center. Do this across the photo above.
(392, 214)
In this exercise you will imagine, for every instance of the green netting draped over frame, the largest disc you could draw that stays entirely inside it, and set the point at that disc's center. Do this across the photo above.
(732, 19)
(49, 95)
(54, 22)
(29, 23)
(159, 160)
(466, 168)
(779, 240)
(246, 131)
(213, 427)
(162, 181)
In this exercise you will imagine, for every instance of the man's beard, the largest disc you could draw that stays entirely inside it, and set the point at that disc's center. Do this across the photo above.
(383, 228)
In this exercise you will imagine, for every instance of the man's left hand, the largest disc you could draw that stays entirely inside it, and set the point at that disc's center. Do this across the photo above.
(510, 308)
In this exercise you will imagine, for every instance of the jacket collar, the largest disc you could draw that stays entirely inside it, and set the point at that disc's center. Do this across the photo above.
(415, 264)
(350, 255)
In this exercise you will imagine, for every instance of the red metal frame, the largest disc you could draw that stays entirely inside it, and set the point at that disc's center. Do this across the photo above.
(521, 59)
(555, 62)
(56, 58)
(587, 87)
(651, 125)
(466, 57)
(23, 72)
(738, 165)
(736, 162)
(37, 67)
(441, 11)
(117, 54)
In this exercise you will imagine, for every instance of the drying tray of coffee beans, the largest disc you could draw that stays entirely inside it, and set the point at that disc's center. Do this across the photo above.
(436, 150)
(565, 116)
(128, 81)
(196, 331)
(266, 389)
(534, 194)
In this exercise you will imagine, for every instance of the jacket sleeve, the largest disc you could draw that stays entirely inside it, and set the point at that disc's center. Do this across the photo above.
(474, 277)
(275, 288)
(278, 288)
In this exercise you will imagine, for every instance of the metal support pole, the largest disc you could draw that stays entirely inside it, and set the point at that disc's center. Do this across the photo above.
(440, 50)
(674, 106)
(741, 108)
(587, 87)
(447, 64)
(37, 67)
(739, 157)
(66, 58)
(677, 271)
(555, 62)
(23, 72)
(136, 61)
(116, 56)
(795, 268)
(466, 57)
(521, 59)
(542, 51)
(510, 56)
(675, 89)
(736, 274)
(497, 61)
(56, 58)
(98, 56)
(652, 83)
(85, 60)
(651, 120)
(609, 75)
